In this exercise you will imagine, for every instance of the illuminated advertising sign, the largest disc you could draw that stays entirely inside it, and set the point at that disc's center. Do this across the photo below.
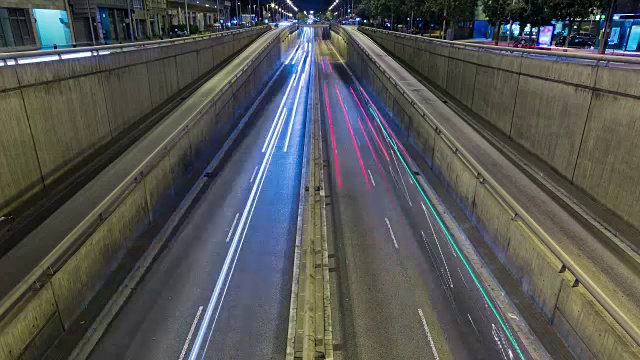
(546, 35)
(634, 38)
(615, 33)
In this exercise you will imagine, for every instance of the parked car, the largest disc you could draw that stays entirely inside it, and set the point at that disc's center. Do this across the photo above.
(575, 41)
(178, 33)
(587, 35)
(525, 41)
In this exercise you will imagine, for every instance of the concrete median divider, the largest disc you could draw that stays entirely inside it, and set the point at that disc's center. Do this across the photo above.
(125, 204)
(587, 320)
(58, 113)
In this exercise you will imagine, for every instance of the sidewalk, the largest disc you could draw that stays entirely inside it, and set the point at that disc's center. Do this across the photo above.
(611, 52)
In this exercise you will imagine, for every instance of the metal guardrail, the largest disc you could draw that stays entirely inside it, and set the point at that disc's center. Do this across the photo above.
(502, 196)
(70, 53)
(74, 240)
(516, 51)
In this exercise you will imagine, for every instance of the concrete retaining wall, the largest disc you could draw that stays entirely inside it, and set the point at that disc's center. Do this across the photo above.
(150, 193)
(54, 114)
(579, 117)
(587, 329)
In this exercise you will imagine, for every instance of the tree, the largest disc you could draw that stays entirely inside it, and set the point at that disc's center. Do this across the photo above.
(532, 12)
(572, 10)
(496, 11)
(300, 16)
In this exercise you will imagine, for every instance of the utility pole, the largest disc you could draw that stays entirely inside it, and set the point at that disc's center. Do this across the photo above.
(130, 19)
(93, 36)
(510, 25)
(186, 16)
(604, 36)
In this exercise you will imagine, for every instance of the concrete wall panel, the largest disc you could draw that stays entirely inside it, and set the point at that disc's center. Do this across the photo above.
(8, 78)
(438, 69)
(120, 84)
(603, 336)
(163, 80)
(68, 120)
(20, 169)
(609, 161)
(39, 72)
(508, 62)
(25, 322)
(126, 58)
(494, 96)
(205, 60)
(187, 67)
(79, 278)
(569, 72)
(491, 216)
(534, 266)
(180, 156)
(457, 175)
(618, 79)
(461, 79)
(425, 136)
(549, 120)
(158, 185)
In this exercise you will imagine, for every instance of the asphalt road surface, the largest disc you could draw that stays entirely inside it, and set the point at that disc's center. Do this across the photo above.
(403, 289)
(222, 287)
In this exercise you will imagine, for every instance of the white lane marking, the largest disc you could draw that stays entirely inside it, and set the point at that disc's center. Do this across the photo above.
(193, 328)
(474, 325)
(391, 231)
(296, 101)
(295, 59)
(426, 329)
(371, 176)
(292, 53)
(406, 192)
(357, 140)
(463, 280)
(284, 100)
(244, 233)
(438, 243)
(238, 239)
(254, 174)
(494, 332)
(232, 226)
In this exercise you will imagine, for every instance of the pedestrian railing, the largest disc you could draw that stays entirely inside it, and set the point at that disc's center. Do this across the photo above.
(589, 59)
(25, 57)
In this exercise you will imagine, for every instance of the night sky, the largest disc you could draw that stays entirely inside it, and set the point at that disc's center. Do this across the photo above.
(314, 5)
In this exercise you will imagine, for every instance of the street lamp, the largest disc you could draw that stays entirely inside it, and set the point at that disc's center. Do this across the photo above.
(186, 16)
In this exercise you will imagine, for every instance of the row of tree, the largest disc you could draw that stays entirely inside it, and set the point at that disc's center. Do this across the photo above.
(534, 12)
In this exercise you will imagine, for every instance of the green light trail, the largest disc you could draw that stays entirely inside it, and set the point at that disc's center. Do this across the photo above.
(450, 238)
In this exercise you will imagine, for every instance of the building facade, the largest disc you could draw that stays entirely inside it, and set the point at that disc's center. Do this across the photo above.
(34, 24)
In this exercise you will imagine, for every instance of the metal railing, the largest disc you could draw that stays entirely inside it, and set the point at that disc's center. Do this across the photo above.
(597, 59)
(627, 325)
(25, 57)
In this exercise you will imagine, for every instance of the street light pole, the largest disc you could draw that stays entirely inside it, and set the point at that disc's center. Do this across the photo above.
(130, 19)
(186, 16)
(604, 37)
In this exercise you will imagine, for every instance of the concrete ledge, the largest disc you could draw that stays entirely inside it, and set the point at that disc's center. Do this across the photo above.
(576, 309)
(136, 191)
